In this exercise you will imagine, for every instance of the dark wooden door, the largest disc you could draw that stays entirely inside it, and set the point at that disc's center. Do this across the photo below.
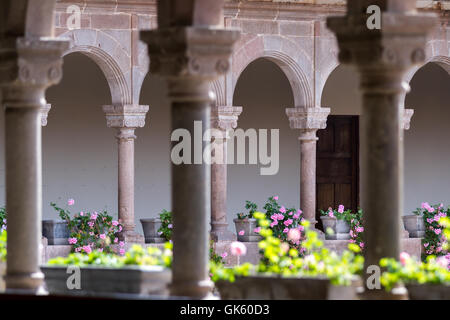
(338, 164)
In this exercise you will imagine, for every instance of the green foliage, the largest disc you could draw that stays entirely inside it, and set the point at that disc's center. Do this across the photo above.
(3, 237)
(137, 256)
(90, 231)
(166, 225)
(2, 219)
(251, 207)
(213, 256)
(280, 259)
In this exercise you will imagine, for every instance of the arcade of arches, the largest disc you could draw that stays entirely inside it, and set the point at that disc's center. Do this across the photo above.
(106, 139)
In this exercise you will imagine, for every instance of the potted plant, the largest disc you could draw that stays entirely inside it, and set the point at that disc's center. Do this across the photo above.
(57, 231)
(2, 259)
(140, 272)
(91, 231)
(336, 223)
(283, 274)
(245, 224)
(424, 280)
(414, 223)
(156, 229)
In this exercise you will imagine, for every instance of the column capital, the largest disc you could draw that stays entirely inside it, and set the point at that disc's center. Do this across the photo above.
(406, 120)
(225, 117)
(44, 114)
(379, 50)
(201, 52)
(125, 116)
(307, 119)
(30, 63)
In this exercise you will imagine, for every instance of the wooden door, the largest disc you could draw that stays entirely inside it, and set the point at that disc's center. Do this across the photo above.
(338, 164)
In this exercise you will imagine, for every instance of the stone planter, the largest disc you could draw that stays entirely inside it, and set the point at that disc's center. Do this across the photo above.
(150, 228)
(341, 229)
(414, 225)
(56, 231)
(110, 282)
(2, 274)
(248, 225)
(428, 291)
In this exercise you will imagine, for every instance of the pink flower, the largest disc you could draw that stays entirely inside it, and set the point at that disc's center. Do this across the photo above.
(170, 226)
(285, 230)
(238, 249)
(87, 249)
(72, 240)
(288, 222)
(437, 231)
(280, 216)
(404, 257)
(120, 228)
(257, 230)
(443, 262)
(296, 216)
(91, 224)
(283, 209)
(241, 233)
(224, 255)
(331, 214)
(274, 217)
(94, 216)
(91, 233)
(116, 240)
(70, 202)
(103, 236)
(275, 198)
(291, 213)
(81, 213)
(122, 252)
(293, 235)
(437, 217)
(360, 229)
(121, 243)
(361, 244)
(301, 228)
(425, 205)
(341, 208)
(115, 223)
(274, 223)
(426, 244)
(77, 249)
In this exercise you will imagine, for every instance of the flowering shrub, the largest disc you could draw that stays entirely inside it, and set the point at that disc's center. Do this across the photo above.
(2, 219)
(354, 220)
(3, 246)
(434, 238)
(137, 255)
(280, 259)
(251, 207)
(91, 231)
(166, 225)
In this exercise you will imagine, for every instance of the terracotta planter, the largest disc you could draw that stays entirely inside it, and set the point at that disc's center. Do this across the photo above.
(2, 274)
(414, 225)
(110, 282)
(428, 291)
(277, 288)
(247, 225)
(56, 231)
(150, 228)
(341, 229)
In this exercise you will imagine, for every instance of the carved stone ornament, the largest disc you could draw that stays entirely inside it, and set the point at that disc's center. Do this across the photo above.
(190, 51)
(31, 62)
(225, 117)
(406, 121)
(307, 118)
(125, 116)
(44, 114)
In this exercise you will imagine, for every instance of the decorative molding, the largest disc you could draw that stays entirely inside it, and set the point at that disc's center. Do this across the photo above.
(44, 114)
(406, 120)
(307, 118)
(225, 117)
(125, 116)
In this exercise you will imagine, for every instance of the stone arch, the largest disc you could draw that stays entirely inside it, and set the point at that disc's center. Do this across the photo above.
(109, 56)
(290, 57)
(442, 61)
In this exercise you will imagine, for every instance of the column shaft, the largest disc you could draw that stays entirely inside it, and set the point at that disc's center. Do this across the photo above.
(308, 142)
(23, 190)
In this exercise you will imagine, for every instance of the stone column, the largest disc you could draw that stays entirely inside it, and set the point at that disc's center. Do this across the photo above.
(223, 118)
(308, 121)
(28, 66)
(190, 51)
(382, 57)
(125, 119)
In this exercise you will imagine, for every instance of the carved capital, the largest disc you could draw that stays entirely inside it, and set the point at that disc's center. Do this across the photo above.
(44, 114)
(398, 45)
(202, 52)
(225, 117)
(406, 120)
(31, 63)
(125, 134)
(307, 118)
(125, 116)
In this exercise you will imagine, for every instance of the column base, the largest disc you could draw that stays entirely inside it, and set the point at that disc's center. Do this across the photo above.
(222, 235)
(131, 237)
(25, 283)
(399, 293)
(192, 289)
